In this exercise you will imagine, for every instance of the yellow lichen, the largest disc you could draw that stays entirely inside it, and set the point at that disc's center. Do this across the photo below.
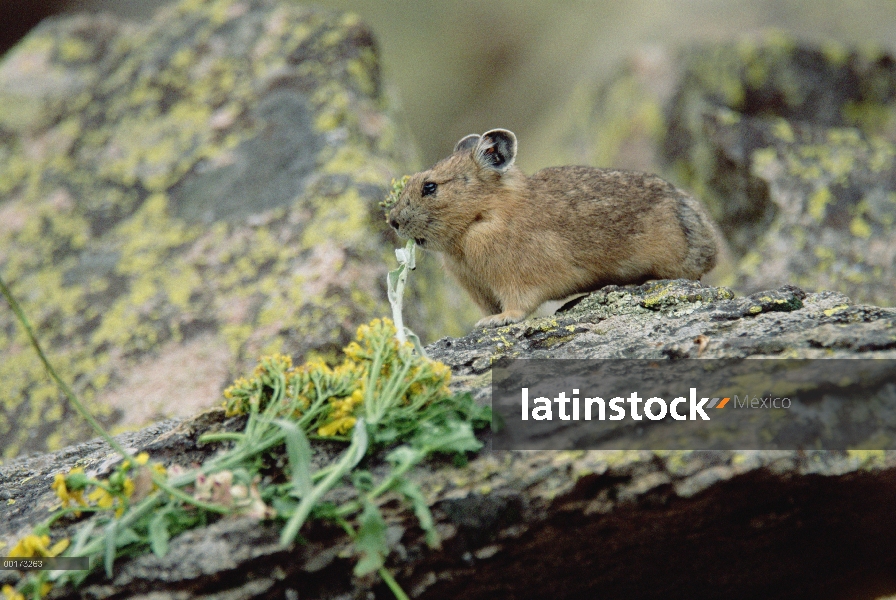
(818, 202)
(859, 227)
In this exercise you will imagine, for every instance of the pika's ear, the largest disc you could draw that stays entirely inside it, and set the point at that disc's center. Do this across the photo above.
(496, 150)
(467, 142)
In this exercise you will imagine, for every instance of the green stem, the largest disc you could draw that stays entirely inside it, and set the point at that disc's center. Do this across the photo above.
(383, 571)
(82, 410)
(221, 437)
(69, 510)
(393, 585)
(354, 506)
(163, 485)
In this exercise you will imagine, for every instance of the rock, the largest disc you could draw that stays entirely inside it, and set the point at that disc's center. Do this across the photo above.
(792, 147)
(180, 196)
(684, 319)
(674, 320)
(573, 523)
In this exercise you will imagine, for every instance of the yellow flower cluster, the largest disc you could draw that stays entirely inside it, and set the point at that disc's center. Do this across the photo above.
(37, 545)
(339, 392)
(11, 593)
(70, 488)
(114, 491)
(341, 415)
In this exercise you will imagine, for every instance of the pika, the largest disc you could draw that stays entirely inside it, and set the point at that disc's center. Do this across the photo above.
(514, 241)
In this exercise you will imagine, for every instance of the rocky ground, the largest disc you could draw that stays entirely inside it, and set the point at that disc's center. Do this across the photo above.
(573, 523)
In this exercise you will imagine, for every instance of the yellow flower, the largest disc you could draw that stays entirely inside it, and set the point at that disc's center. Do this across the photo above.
(10, 593)
(357, 397)
(441, 370)
(60, 489)
(105, 499)
(338, 426)
(273, 362)
(36, 545)
(354, 351)
(128, 487)
(61, 484)
(59, 547)
(102, 498)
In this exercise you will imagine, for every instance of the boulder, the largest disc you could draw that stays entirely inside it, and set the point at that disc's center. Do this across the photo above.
(180, 196)
(791, 146)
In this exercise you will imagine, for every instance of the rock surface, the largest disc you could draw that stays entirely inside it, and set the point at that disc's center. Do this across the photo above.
(192, 191)
(684, 319)
(571, 524)
(792, 147)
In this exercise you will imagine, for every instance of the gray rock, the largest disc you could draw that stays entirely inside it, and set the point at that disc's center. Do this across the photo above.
(791, 146)
(684, 319)
(192, 191)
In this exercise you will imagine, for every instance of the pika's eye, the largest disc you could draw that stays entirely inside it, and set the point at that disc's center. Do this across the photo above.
(429, 188)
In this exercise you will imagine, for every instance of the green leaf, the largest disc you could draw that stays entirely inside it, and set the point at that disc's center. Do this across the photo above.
(109, 548)
(80, 539)
(351, 457)
(414, 495)
(469, 410)
(299, 452)
(451, 436)
(77, 481)
(418, 345)
(371, 540)
(405, 457)
(126, 537)
(159, 534)
(362, 480)
(284, 505)
(395, 283)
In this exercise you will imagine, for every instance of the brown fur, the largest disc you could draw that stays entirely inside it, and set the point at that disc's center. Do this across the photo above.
(514, 242)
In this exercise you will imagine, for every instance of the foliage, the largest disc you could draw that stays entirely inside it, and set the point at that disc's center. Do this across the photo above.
(384, 394)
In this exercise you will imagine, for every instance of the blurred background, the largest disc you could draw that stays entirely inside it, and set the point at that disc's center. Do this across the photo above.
(463, 66)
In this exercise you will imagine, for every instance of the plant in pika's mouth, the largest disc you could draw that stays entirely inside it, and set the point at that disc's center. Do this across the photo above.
(394, 193)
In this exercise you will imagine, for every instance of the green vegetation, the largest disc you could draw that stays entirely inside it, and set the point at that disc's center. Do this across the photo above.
(384, 398)
(394, 193)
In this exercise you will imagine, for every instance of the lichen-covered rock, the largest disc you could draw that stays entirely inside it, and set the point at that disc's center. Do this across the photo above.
(673, 320)
(792, 147)
(830, 211)
(815, 523)
(180, 196)
(683, 319)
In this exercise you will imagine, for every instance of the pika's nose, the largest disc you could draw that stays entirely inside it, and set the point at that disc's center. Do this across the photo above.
(394, 223)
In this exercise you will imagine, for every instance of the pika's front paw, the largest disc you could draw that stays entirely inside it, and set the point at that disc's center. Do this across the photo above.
(505, 318)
